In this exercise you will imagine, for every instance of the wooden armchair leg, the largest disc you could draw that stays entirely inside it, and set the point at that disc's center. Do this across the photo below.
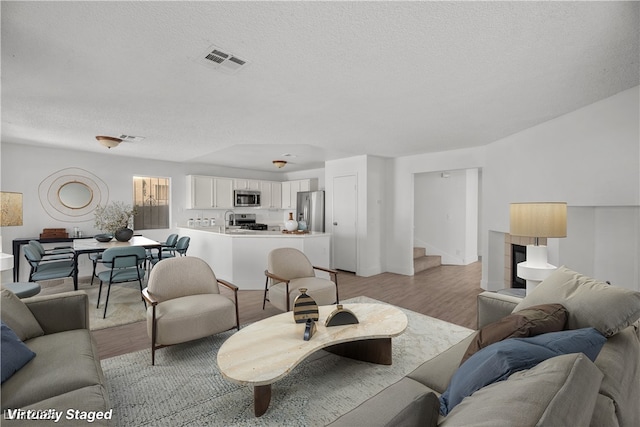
(154, 327)
(264, 299)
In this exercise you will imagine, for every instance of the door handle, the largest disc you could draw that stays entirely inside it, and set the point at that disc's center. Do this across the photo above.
(335, 223)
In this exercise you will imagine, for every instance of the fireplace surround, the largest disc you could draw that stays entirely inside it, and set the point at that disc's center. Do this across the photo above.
(513, 254)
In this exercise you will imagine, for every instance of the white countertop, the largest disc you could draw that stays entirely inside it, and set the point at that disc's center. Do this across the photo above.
(238, 232)
(6, 261)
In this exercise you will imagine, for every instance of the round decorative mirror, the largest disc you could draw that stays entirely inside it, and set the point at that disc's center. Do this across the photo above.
(72, 194)
(75, 195)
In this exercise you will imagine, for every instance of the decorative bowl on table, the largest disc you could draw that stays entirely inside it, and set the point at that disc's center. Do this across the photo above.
(103, 237)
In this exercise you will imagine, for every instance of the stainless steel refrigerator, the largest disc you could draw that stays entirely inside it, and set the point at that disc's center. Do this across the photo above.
(310, 208)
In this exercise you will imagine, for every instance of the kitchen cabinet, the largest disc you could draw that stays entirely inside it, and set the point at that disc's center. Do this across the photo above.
(246, 184)
(222, 193)
(208, 192)
(270, 194)
(290, 191)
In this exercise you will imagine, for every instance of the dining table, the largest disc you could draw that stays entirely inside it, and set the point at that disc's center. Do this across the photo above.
(91, 245)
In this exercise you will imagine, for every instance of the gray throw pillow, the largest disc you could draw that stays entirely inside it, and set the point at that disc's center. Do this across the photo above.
(589, 302)
(18, 317)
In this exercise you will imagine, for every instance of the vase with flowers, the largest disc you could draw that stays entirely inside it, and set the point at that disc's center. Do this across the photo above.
(114, 219)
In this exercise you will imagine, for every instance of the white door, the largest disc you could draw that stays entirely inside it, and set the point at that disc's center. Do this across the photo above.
(344, 222)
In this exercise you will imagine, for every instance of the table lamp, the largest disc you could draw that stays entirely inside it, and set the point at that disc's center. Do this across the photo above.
(545, 219)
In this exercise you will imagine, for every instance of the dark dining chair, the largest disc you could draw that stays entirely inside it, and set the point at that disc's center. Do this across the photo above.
(46, 270)
(57, 253)
(168, 248)
(180, 249)
(126, 264)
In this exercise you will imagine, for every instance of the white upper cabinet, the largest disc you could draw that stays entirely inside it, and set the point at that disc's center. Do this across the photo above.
(200, 192)
(211, 192)
(270, 194)
(290, 191)
(222, 193)
(208, 192)
(246, 184)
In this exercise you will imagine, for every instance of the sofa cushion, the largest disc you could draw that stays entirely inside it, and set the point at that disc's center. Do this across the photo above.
(66, 361)
(405, 403)
(497, 361)
(18, 317)
(87, 399)
(436, 372)
(529, 322)
(619, 362)
(560, 391)
(590, 303)
(14, 354)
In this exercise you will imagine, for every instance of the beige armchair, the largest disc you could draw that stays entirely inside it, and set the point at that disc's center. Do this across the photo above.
(288, 271)
(185, 303)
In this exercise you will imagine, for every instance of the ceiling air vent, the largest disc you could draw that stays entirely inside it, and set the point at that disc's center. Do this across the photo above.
(131, 138)
(218, 59)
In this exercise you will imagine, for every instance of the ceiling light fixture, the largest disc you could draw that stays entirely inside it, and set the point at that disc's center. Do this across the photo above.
(108, 141)
(279, 163)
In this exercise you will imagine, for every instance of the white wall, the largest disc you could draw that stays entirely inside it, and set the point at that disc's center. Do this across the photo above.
(370, 172)
(402, 170)
(590, 157)
(25, 167)
(446, 215)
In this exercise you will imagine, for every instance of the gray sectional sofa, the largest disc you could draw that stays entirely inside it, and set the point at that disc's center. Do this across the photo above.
(566, 390)
(65, 374)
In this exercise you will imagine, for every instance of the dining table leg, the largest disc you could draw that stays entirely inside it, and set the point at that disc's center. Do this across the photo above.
(75, 270)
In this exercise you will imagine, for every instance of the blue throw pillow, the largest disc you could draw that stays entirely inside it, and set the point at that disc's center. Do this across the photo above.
(13, 353)
(497, 361)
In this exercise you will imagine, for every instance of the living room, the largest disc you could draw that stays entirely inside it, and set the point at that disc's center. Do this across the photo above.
(580, 143)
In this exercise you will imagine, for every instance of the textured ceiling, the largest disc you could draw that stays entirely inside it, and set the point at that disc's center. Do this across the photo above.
(324, 80)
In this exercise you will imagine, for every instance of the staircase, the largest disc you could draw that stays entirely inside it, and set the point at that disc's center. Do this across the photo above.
(422, 261)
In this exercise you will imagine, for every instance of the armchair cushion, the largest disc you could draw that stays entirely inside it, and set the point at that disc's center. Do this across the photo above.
(14, 354)
(191, 317)
(323, 291)
(179, 277)
(590, 303)
(18, 317)
(289, 263)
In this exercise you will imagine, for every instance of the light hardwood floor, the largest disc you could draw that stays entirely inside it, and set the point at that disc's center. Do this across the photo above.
(446, 292)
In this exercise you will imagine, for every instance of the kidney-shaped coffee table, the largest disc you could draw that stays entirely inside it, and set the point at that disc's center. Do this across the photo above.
(269, 349)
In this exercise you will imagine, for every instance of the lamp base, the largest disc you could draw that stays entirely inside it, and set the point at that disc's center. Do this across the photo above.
(536, 268)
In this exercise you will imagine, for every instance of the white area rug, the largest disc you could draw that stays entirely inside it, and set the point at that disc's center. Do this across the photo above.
(186, 388)
(125, 301)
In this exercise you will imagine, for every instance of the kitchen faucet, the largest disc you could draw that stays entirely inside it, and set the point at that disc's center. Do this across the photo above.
(228, 222)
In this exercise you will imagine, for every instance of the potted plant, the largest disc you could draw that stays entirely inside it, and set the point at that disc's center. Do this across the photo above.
(114, 219)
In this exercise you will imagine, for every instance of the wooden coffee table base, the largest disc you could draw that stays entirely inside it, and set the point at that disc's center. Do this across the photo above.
(261, 399)
(372, 350)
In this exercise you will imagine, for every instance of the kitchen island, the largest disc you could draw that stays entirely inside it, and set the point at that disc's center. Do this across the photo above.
(240, 256)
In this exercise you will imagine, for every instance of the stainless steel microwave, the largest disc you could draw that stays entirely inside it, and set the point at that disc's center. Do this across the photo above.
(246, 198)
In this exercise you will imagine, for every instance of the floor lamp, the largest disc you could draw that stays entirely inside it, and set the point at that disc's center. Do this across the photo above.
(547, 219)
